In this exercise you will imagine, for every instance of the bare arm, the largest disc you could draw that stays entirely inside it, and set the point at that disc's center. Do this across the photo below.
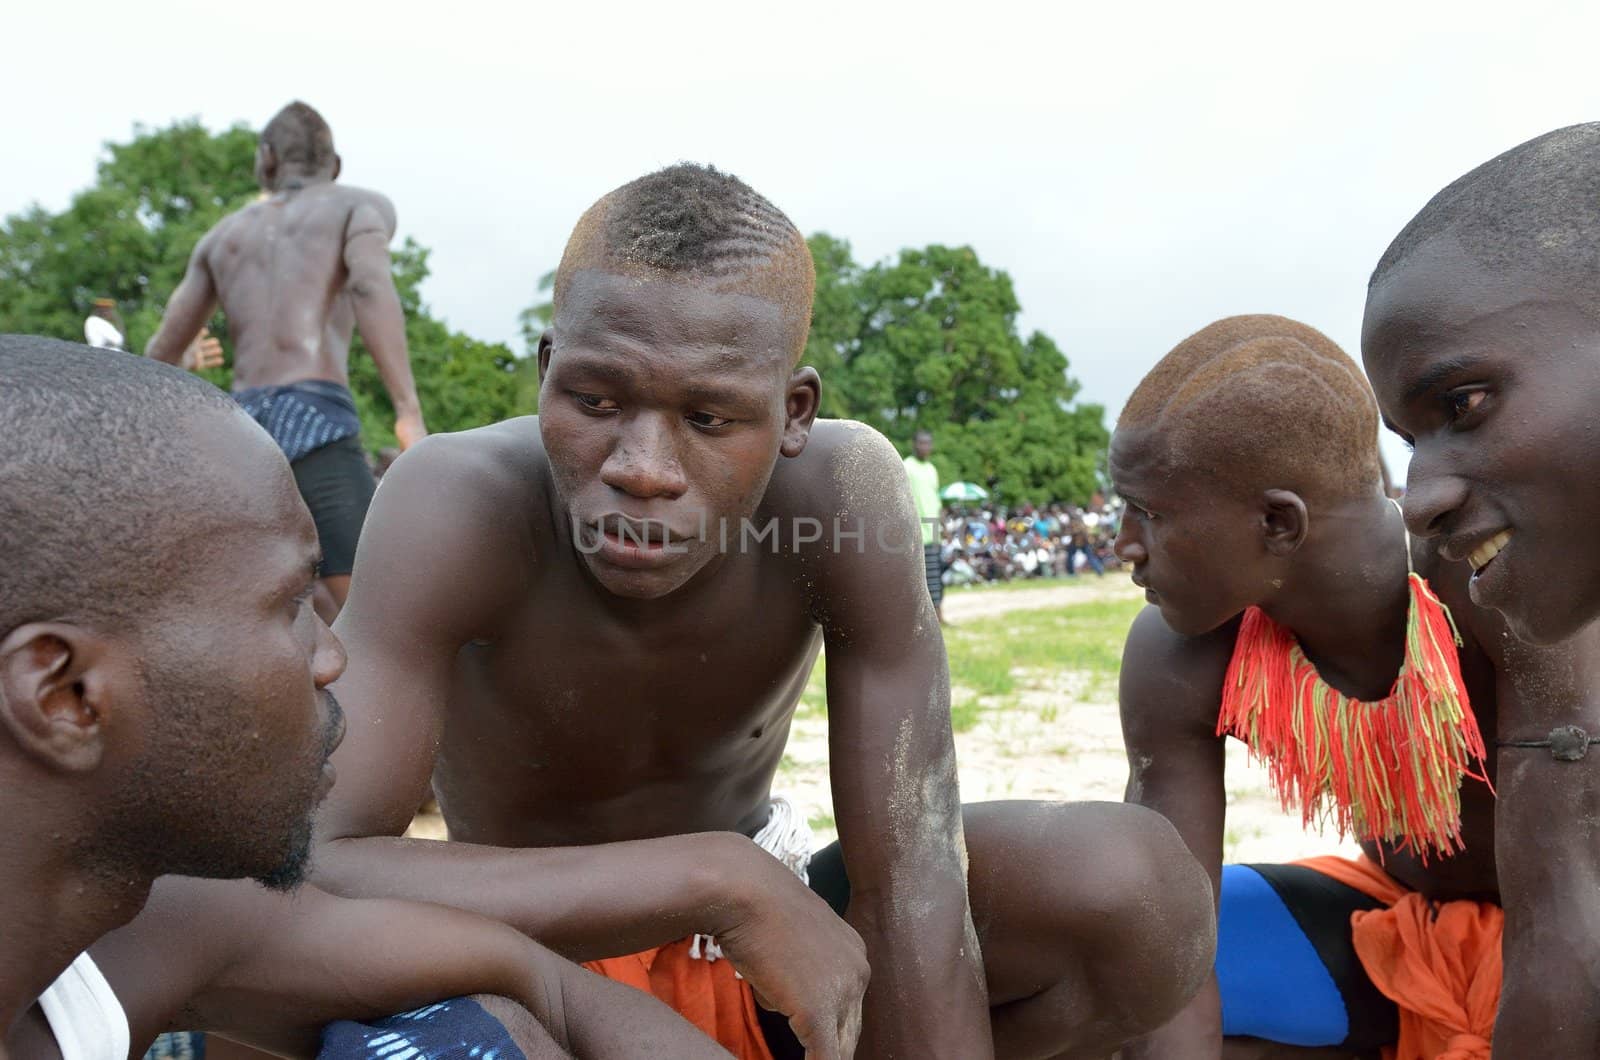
(1170, 695)
(439, 561)
(272, 970)
(895, 790)
(190, 306)
(378, 312)
(1547, 852)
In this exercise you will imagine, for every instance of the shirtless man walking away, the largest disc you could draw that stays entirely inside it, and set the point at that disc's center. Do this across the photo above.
(594, 627)
(296, 273)
(1285, 613)
(164, 709)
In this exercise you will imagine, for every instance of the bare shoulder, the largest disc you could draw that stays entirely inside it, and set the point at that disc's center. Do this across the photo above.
(847, 504)
(848, 470)
(1170, 681)
(486, 471)
(363, 203)
(454, 518)
(234, 223)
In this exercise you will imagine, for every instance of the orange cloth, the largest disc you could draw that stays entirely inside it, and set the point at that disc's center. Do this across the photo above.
(706, 993)
(1439, 963)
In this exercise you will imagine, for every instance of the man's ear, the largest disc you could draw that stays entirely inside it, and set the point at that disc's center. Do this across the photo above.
(800, 407)
(547, 343)
(338, 167)
(56, 686)
(1284, 521)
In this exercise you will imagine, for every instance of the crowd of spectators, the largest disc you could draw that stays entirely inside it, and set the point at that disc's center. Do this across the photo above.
(996, 544)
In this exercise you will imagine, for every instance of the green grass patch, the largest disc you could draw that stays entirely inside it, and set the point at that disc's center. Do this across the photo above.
(814, 700)
(964, 714)
(988, 655)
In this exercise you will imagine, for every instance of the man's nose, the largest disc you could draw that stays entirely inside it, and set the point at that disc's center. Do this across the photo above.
(1433, 496)
(645, 461)
(1127, 547)
(330, 659)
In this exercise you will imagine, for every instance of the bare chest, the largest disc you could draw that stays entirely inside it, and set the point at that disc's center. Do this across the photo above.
(574, 727)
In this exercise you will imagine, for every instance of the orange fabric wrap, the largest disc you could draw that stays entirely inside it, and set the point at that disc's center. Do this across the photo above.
(1439, 963)
(706, 993)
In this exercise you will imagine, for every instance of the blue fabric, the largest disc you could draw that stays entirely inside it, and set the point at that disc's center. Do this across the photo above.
(302, 417)
(1274, 986)
(458, 1029)
(178, 1045)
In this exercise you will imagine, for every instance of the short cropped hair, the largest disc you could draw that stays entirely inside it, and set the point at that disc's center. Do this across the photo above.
(1263, 402)
(97, 481)
(702, 224)
(300, 137)
(1536, 208)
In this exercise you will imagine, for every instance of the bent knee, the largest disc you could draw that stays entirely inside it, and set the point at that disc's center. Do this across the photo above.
(1154, 924)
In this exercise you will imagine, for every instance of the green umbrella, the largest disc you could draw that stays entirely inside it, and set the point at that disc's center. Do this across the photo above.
(963, 491)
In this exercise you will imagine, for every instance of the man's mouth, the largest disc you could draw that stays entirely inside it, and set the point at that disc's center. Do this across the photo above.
(636, 533)
(1485, 553)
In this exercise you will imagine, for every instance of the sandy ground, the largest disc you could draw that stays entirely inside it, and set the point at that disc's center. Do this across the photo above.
(1062, 740)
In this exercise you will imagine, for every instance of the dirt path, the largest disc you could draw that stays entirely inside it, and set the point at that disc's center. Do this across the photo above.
(964, 605)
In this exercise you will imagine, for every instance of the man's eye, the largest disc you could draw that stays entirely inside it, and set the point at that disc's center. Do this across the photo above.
(706, 419)
(1464, 402)
(596, 402)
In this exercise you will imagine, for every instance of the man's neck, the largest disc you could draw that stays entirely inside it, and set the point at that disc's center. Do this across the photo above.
(1347, 598)
(55, 909)
(290, 183)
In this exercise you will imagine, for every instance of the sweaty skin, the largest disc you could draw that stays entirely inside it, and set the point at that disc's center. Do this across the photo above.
(296, 273)
(1490, 376)
(560, 701)
(1348, 608)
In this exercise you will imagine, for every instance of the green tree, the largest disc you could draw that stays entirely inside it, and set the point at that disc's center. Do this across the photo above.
(129, 238)
(930, 341)
(533, 321)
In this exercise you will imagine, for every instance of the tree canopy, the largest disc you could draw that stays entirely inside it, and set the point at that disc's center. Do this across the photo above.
(929, 340)
(129, 237)
(926, 340)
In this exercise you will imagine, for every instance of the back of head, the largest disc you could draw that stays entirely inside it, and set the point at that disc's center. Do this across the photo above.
(301, 139)
(1535, 208)
(1262, 402)
(98, 483)
(699, 224)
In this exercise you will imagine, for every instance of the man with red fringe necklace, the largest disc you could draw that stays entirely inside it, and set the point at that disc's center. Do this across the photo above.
(1292, 610)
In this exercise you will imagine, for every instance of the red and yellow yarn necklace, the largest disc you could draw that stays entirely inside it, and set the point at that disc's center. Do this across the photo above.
(1389, 770)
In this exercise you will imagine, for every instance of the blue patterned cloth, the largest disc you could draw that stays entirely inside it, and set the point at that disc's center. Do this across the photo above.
(458, 1029)
(302, 417)
(178, 1045)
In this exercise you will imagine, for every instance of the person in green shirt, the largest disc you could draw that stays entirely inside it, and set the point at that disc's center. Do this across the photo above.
(925, 491)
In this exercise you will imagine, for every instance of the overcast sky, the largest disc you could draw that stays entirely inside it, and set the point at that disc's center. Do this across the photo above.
(1139, 174)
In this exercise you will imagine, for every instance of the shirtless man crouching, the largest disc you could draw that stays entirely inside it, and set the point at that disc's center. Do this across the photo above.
(594, 626)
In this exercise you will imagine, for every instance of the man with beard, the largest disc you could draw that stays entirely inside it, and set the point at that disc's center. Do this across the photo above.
(164, 710)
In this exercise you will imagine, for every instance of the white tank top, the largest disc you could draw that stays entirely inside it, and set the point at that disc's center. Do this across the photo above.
(84, 1014)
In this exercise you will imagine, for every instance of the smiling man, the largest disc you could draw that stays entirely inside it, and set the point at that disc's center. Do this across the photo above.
(1482, 338)
(594, 627)
(1291, 610)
